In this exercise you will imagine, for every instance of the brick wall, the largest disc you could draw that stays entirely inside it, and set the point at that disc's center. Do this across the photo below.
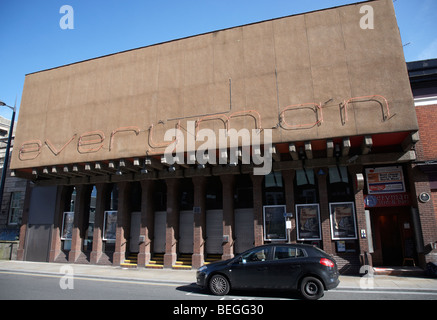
(427, 118)
(434, 200)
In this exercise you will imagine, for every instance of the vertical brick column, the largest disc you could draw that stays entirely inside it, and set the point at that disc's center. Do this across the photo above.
(228, 215)
(199, 232)
(61, 197)
(288, 176)
(360, 211)
(81, 214)
(24, 221)
(172, 228)
(328, 244)
(147, 222)
(258, 223)
(103, 191)
(123, 223)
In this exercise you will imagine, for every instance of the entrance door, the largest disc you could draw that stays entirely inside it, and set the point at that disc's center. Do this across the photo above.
(160, 227)
(186, 221)
(135, 225)
(393, 236)
(214, 231)
(244, 230)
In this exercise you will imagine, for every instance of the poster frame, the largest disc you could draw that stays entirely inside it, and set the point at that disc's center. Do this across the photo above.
(319, 229)
(332, 207)
(273, 208)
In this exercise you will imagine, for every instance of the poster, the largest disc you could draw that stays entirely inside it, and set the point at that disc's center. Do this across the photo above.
(385, 180)
(343, 223)
(67, 226)
(274, 223)
(308, 222)
(110, 226)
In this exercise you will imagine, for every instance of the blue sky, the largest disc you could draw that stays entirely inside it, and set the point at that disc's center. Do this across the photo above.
(32, 40)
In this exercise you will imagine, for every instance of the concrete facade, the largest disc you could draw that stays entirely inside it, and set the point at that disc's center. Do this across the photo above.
(335, 97)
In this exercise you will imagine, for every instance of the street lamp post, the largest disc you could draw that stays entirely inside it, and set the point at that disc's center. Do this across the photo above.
(8, 148)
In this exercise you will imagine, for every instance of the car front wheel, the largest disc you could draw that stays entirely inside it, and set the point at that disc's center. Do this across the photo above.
(311, 288)
(219, 285)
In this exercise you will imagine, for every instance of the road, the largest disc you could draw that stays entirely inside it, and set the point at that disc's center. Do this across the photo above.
(32, 286)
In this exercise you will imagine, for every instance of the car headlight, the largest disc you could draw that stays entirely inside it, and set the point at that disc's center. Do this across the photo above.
(202, 268)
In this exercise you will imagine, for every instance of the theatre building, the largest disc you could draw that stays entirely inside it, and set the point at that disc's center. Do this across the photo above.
(200, 148)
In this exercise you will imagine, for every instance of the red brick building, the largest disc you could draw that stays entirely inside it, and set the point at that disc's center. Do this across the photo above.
(423, 78)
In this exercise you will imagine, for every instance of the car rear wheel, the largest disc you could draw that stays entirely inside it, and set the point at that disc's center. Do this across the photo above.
(219, 285)
(311, 288)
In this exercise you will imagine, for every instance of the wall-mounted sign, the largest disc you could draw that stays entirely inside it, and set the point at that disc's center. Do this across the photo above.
(387, 200)
(274, 223)
(385, 180)
(343, 223)
(308, 222)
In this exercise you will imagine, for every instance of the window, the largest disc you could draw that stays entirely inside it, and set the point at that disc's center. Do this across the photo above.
(110, 226)
(160, 196)
(274, 193)
(214, 194)
(243, 196)
(339, 187)
(186, 195)
(287, 253)
(89, 234)
(257, 255)
(305, 188)
(15, 210)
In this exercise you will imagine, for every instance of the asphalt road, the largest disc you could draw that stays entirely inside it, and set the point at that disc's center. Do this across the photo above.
(34, 286)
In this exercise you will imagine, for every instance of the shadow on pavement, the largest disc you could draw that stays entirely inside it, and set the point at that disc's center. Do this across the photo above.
(193, 288)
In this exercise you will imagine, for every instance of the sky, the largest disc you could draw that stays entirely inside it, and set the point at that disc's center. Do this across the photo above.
(33, 35)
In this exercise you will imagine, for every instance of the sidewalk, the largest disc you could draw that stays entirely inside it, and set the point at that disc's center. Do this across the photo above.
(380, 282)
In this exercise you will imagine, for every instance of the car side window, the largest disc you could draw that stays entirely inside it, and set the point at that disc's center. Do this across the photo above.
(287, 253)
(256, 255)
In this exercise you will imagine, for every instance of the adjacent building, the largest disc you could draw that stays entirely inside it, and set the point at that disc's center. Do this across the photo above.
(423, 77)
(297, 129)
(12, 204)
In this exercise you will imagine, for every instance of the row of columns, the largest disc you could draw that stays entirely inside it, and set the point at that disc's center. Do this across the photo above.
(172, 225)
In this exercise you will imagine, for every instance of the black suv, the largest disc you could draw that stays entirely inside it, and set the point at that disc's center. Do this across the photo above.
(297, 267)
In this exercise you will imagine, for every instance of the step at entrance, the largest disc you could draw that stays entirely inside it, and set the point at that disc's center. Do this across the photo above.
(183, 262)
(131, 261)
(210, 258)
(156, 262)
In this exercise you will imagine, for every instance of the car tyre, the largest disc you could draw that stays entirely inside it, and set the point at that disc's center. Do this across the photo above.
(311, 288)
(219, 285)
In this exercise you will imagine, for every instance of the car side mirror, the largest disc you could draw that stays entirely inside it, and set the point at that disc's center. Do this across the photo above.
(241, 260)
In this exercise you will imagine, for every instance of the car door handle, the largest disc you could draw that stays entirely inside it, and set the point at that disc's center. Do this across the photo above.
(262, 268)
